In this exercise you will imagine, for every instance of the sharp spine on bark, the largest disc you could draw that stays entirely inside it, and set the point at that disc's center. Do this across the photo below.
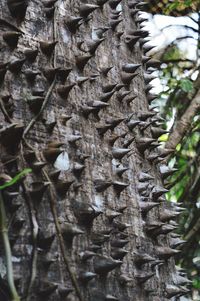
(99, 238)
(106, 96)
(180, 280)
(165, 171)
(167, 215)
(73, 23)
(63, 90)
(119, 186)
(173, 290)
(15, 65)
(108, 87)
(124, 279)
(30, 54)
(47, 47)
(165, 229)
(94, 44)
(150, 227)
(87, 254)
(46, 288)
(12, 135)
(147, 206)
(105, 70)
(45, 239)
(132, 124)
(49, 11)
(144, 143)
(166, 252)
(38, 189)
(113, 23)
(64, 291)
(80, 80)
(119, 153)
(86, 276)
(157, 192)
(37, 166)
(51, 154)
(119, 243)
(101, 2)
(127, 77)
(147, 48)
(111, 298)
(82, 60)
(103, 265)
(142, 187)
(69, 231)
(85, 212)
(121, 226)
(122, 94)
(120, 170)
(86, 9)
(131, 40)
(48, 3)
(143, 277)
(73, 138)
(142, 258)
(54, 175)
(63, 73)
(31, 75)
(151, 97)
(11, 38)
(153, 63)
(113, 3)
(118, 253)
(101, 185)
(157, 132)
(145, 115)
(47, 260)
(111, 214)
(35, 103)
(17, 8)
(143, 177)
(30, 156)
(63, 186)
(50, 73)
(176, 242)
(145, 59)
(130, 68)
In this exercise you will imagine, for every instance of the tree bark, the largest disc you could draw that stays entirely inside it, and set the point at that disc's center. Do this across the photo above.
(82, 225)
(184, 123)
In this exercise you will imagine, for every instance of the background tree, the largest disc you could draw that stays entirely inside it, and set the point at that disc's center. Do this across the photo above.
(90, 222)
(180, 103)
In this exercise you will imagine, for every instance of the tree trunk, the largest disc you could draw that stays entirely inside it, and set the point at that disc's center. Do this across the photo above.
(86, 223)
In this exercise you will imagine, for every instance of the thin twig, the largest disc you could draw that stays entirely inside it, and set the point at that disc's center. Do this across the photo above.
(33, 121)
(8, 254)
(60, 237)
(35, 230)
(3, 109)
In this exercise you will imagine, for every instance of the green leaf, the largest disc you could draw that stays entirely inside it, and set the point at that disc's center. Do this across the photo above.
(186, 85)
(163, 138)
(16, 178)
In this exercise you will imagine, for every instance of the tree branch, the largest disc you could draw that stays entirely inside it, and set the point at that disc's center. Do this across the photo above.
(8, 254)
(184, 123)
(183, 26)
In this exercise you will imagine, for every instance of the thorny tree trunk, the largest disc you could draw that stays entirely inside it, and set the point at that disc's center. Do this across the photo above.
(89, 222)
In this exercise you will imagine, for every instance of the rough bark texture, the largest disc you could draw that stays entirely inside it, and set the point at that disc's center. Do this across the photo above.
(88, 196)
(184, 123)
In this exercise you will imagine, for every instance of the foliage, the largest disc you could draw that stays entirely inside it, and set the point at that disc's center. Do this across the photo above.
(178, 76)
(181, 5)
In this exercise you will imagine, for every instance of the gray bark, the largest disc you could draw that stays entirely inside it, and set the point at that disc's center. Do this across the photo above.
(48, 258)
